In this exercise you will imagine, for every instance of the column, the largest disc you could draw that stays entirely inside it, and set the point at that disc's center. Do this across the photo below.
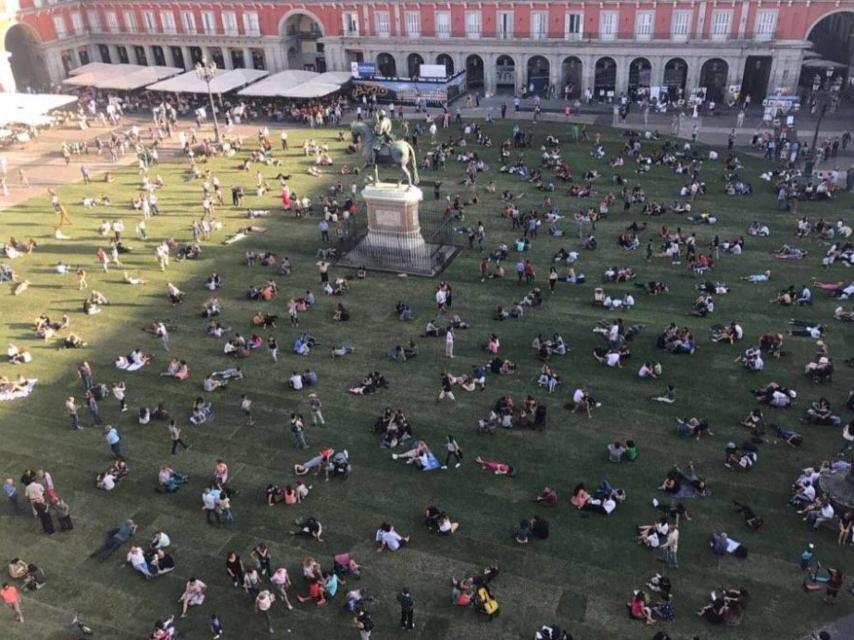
(588, 74)
(692, 79)
(555, 65)
(188, 59)
(226, 57)
(7, 79)
(521, 73)
(489, 87)
(623, 64)
(247, 58)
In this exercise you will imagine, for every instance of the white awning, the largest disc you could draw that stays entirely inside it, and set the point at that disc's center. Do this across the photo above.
(225, 80)
(276, 84)
(30, 108)
(335, 77)
(119, 77)
(90, 67)
(311, 89)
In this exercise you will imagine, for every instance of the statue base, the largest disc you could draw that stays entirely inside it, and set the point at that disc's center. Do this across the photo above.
(394, 241)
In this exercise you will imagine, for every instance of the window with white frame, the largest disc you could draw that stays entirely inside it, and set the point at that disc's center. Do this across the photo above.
(351, 23)
(413, 24)
(504, 25)
(188, 19)
(130, 21)
(209, 21)
(77, 22)
(680, 25)
(167, 21)
(251, 24)
(721, 24)
(572, 26)
(539, 24)
(608, 25)
(94, 19)
(229, 23)
(472, 24)
(766, 24)
(149, 21)
(59, 26)
(643, 25)
(443, 24)
(381, 23)
(112, 21)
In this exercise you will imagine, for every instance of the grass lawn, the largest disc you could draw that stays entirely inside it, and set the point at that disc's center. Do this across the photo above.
(580, 578)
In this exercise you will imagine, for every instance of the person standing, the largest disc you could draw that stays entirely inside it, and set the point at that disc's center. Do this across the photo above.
(315, 406)
(407, 608)
(216, 627)
(449, 342)
(246, 409)
(120, 393)
(84, 371)
(282, 582)
(92, 405)
(273, 346)
(667, 550)
(283, 136)
(175, 437)
(446, 391)
(71, 408)
(12, 599)
(162, 333)
(323, 226)
(45, 517)
(298, 432)
(454, 451)
(63, 513)
(209, 506)
(263, 602)
(112, 437)
(11, 493)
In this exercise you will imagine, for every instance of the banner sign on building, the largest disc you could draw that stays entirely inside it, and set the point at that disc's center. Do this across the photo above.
(411, 91)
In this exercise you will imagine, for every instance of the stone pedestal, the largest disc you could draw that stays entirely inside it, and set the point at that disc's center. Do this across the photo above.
(393, 217)
(393, 240)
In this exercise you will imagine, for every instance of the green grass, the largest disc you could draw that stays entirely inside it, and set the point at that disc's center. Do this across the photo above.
(580, 578)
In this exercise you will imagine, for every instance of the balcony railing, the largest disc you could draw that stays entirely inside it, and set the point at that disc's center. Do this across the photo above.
(554, 36)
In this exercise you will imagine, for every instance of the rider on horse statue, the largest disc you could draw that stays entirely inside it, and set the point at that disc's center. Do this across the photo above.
(382, 129)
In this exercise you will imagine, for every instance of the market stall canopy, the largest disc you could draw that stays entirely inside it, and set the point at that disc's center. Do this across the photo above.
(335, 77)
(119, 77)
(90, 67)
(30, 108)
(224, 80)
(275, 84)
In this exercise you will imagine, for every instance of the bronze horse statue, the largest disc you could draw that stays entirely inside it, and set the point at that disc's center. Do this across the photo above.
(399, 152)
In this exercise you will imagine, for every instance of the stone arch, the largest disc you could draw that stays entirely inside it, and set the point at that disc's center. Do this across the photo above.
(301, 32)
(675, 77)
(386, 65)
(640, 77)
(604, 78)
(448, 61)
(505, 73)
(413, 64)
(27, 65)
(474, 72)
(537, 75)
(572, 75)
(713, 76)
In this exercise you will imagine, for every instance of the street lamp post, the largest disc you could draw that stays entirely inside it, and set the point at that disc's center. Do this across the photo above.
(207, 71)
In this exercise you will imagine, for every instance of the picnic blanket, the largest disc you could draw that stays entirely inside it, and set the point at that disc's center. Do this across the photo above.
(129, 366)
(23, 393)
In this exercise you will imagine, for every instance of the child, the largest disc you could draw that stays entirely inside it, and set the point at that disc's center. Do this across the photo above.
(63, 512)
(216, 627)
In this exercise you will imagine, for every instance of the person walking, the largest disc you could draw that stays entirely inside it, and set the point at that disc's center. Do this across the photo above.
(71, 408)
(298, 432)
(112, 437)
(407, 608)
(209, 506)
(449, 342)
(454, 451)
(246, 410)
(175, 437)
(120, 394)
(281, 582)
(12, 599)
(162, 334)
(273, 346)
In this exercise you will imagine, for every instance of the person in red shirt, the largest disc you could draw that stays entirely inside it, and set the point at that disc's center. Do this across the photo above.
(12, 599)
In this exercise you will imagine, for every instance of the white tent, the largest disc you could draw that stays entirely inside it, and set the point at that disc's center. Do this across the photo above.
(225, 80)
(30, 108)
(120, 77)
(311, 89)
(335, 77)
(274, 85)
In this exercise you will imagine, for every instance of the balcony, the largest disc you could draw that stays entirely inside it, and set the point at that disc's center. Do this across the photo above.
(591, 37)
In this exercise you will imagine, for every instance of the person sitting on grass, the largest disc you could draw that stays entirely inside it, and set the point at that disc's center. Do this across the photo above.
(170, 480)
(638, 609)
(548, 497)
(693, 427)
(310, 527)
(388, 539)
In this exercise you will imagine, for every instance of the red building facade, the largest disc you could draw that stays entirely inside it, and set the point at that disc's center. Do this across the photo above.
(605, 46)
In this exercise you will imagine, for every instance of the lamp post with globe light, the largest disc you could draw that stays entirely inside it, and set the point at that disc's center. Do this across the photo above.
(206, 71)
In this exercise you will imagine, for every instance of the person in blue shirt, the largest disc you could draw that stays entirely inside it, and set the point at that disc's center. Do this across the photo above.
(111, 435)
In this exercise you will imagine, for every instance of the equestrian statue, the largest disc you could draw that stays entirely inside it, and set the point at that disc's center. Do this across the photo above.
(379, 146)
